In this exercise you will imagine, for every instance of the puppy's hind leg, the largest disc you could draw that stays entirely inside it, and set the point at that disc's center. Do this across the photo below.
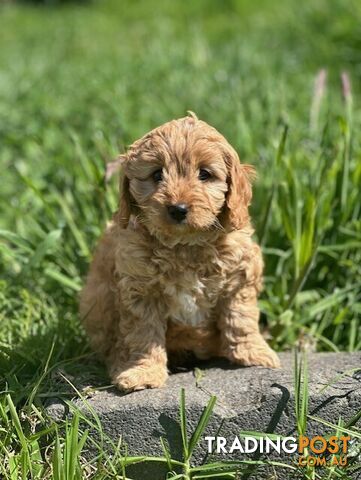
(97, 305)
(98, 315)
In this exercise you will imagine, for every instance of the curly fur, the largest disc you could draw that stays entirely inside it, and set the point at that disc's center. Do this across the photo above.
(157, 288)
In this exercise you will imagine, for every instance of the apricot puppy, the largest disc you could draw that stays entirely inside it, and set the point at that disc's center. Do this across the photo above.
(176, 269)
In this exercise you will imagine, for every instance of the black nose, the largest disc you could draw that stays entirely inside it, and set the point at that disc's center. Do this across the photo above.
(178, 212)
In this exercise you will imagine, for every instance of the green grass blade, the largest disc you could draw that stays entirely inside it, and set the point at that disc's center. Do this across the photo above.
(19, 431)
(202, 424)
(166, 453)
(63, 279)
(57, 464)
(183, 423)
(348, 431)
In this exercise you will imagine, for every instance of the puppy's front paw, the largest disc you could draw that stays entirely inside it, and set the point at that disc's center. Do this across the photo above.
(256, 353)
(138, 378)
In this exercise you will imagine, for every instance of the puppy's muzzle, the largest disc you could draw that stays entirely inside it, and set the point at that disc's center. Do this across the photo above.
(178, 212)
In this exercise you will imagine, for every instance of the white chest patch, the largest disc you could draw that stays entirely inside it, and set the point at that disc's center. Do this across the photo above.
(188, 312)
(186, 305)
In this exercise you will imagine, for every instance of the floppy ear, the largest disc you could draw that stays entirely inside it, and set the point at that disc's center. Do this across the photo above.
(239, 194)
(123, 214)
(124, 210)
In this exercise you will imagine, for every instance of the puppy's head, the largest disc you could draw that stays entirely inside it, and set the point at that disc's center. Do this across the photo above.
(183, 178)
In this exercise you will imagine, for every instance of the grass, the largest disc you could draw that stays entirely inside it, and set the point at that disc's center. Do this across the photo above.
(78, 83)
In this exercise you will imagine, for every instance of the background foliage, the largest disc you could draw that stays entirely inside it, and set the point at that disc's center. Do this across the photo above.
(79, 82)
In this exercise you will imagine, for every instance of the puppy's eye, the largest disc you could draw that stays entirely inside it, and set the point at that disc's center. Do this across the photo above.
(204, 175)
(157, 176)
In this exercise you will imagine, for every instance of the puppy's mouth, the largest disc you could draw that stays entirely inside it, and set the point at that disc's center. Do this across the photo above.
(180, 218)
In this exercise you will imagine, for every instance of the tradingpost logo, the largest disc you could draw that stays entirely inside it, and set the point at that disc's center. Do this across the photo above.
(310, 451)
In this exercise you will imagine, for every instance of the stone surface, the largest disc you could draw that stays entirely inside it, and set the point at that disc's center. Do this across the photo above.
(254, 398)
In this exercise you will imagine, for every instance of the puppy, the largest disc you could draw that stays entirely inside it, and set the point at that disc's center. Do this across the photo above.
(177, 270)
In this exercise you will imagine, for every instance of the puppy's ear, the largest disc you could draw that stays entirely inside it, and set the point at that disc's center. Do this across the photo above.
(124, 210)
(123, 214)
(239, 194)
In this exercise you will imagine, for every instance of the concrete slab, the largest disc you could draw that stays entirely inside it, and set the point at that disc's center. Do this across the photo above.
(252, 399)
